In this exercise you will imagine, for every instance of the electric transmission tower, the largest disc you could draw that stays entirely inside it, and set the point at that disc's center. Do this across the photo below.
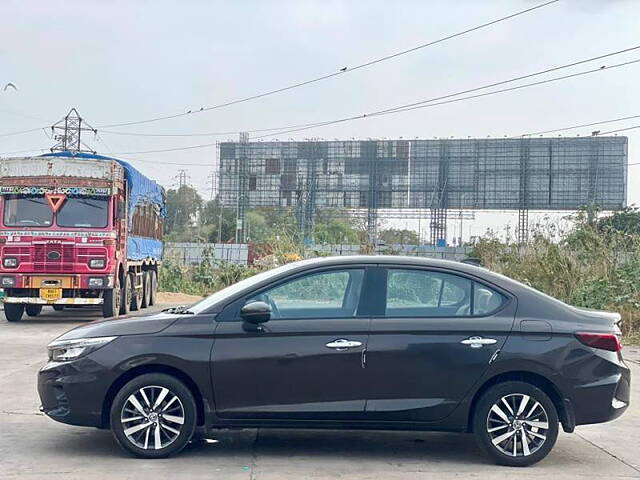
(68, 131)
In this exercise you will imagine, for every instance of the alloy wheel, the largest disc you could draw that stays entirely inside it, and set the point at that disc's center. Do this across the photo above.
(152, 417)
(517, 425)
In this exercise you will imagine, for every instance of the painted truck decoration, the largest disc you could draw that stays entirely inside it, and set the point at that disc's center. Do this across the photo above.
(78, 229)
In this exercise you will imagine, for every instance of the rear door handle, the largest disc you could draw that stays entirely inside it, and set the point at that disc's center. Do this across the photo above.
(343, 344)
(477, 342)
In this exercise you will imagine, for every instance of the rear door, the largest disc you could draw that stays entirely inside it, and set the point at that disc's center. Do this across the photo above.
(432, 341)
(304, 363)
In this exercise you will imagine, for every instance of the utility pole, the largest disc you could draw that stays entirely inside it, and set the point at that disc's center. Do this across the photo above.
(68, 131)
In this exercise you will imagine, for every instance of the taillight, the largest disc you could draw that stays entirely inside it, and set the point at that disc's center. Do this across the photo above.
(603, 341)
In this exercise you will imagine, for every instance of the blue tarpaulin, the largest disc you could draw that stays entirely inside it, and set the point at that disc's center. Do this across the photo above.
(141, 190)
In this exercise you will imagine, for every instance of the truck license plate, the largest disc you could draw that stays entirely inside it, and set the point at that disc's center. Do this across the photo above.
(51, 294)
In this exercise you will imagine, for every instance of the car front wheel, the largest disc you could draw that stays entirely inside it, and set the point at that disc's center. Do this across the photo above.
(153, 416)
(516, 423)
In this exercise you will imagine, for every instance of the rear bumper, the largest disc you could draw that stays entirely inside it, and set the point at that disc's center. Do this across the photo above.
(62, 301)
(604, 399)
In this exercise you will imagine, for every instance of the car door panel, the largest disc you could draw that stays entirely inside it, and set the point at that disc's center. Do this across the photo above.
(289, 367)
(287, 371)
(417, 367)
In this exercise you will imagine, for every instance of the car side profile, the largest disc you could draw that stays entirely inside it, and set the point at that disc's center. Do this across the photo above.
(362, 342)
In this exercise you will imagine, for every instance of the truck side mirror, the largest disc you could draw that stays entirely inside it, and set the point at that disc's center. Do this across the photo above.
(121, 214)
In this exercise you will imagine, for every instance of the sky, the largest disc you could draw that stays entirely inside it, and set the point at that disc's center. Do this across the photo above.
(118, 61)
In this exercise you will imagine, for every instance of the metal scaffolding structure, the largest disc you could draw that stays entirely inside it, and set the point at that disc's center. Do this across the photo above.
(402, 177)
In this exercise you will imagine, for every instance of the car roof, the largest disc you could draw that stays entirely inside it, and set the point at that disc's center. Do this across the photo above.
(401, 260)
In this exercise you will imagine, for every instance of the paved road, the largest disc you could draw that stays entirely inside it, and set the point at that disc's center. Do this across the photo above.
(33, 446)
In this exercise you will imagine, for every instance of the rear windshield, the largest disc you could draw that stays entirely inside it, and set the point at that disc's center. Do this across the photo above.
(83, 212)
(27, 211)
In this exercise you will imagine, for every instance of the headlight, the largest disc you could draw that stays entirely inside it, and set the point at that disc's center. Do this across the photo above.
(96, 282)
(97, 263)
(8, 282)
(10, 262)
(64, 350)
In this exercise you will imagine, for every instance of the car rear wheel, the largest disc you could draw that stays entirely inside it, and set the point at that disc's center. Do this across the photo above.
(153, 416)
(516, 423)
(13, 311)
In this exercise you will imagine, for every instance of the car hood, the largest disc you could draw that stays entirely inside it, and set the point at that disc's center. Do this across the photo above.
(148, 324)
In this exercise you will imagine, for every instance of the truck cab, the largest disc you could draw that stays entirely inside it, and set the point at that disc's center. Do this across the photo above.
(78, 230)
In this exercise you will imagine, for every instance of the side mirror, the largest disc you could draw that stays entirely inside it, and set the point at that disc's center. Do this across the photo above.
(120, 211)
(256, 312)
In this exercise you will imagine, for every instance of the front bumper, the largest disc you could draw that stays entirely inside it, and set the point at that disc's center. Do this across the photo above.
(73, 392)
(61, 301)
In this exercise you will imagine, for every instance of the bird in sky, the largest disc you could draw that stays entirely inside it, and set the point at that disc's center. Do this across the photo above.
(10, 85)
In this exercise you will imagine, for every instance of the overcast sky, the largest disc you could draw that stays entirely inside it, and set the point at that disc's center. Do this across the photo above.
(119, 61)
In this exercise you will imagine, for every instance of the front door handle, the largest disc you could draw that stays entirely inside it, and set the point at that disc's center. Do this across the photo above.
(343, 344)
(477, 342)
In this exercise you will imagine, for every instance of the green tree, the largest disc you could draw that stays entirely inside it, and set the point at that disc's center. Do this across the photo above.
(403, 237)
(183, 207)
(335, 231)
(626, 221)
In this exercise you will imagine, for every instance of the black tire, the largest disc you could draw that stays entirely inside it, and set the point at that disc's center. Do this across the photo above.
(184, 407)
(146, 288)
(136, 293)
(58, 308)
(13, 311)
(125, 296)
(111, 299)
(33, 310)
(153, 276)
(514, 393)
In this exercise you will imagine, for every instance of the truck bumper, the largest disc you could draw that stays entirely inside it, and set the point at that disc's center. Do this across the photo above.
(61, 301)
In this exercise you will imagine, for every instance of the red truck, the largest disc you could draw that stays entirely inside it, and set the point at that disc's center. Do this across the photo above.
(78, 229)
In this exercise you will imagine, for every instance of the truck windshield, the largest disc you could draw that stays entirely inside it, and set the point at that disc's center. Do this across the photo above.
(27, 211)
(84, 212)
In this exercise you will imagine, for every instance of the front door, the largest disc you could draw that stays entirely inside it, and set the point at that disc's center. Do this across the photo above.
(305, 362)
(432, 342)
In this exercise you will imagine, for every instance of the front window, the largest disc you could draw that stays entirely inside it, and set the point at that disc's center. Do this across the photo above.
(27, 211)
(84, 212)
(331, 294)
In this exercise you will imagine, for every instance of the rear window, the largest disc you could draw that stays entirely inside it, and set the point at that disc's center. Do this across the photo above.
(425, 293)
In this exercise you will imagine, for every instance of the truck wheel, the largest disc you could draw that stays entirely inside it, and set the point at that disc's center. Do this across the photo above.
(110, 301)
(153, 280)
(125, 296)
(13, 311)
(146, 288)
(33, 310)
(58, 308)
(136, 293)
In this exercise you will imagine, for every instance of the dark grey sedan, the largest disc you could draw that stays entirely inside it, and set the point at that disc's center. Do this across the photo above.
(350, 343)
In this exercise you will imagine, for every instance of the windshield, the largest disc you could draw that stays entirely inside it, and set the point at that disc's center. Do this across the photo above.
(27, 211)
(83, 212)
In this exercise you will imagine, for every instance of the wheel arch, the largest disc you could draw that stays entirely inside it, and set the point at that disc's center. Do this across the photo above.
(563, 407)
(144, 369)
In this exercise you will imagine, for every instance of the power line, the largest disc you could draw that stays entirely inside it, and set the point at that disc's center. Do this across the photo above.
(573, 127)
(619, 130)
(20, 132)
(334, 74)
(454, 100)
(429, 102)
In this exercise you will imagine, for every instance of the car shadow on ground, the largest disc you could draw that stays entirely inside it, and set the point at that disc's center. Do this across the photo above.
(297, 445)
